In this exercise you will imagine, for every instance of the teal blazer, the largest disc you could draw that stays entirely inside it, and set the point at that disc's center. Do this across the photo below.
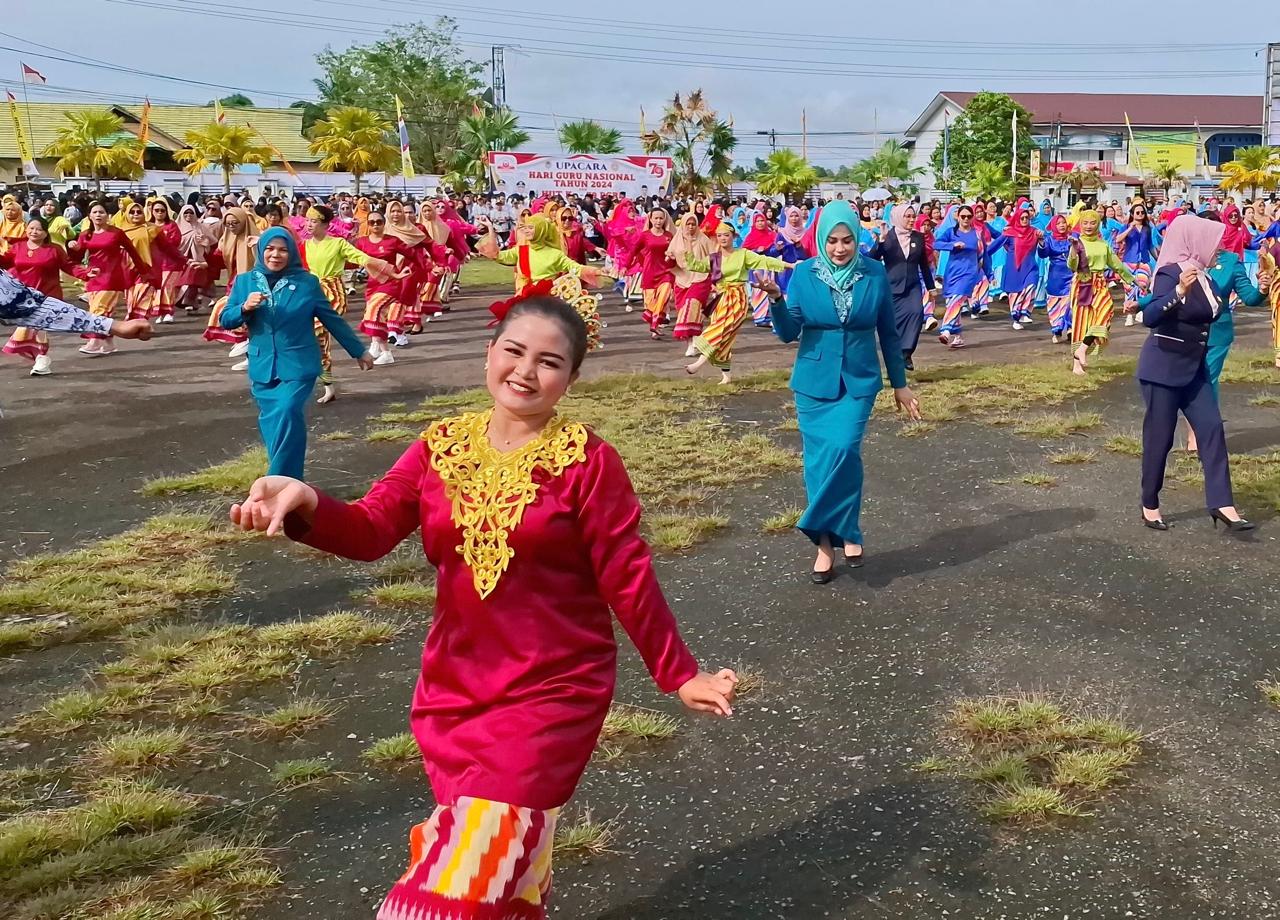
(834, 353)
(282, 338)
(1228, 274)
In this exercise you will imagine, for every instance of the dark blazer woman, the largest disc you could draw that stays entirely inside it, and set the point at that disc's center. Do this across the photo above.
(1173, 373)
(909, 277)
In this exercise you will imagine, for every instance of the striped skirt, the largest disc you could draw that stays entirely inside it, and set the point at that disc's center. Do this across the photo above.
(430, 301)
(1091, 310)
(716, 341)
(27, 343)
(476, 860)
(213, 332)
(759, 300)
(382, 315)
(142, 301)
(167, 293)
(655, 305)
(336, 293)
(103, 303)
(689, 305)
(1141, 273)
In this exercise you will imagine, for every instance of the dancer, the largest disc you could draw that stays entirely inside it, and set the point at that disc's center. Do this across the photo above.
(236, 252)
(980, 299)
(1092, 305)
(762, 239)
(285, 362)
(715, 344)
(1019, 242)
(963, 271)
(142, 296)
(1173, 374)
(196, 243)
(423, 258)
(518, 671)
(620, 231)
(167, 258)
(115, 259)
(790, 246)
(838, 306)
(1054, 248)
(38, 263)
(690, 250)
(383, 312)
(574, 237)
(326, 257)
(439, 240)
(1136, 244)
(649, 253)
(906, 262)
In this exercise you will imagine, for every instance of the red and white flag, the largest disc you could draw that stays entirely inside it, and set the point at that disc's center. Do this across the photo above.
(31, 75)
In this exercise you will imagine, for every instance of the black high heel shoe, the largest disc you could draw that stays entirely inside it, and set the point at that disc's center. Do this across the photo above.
(854, 561)
(1157, 524)
(822, 578)
(1240, 525)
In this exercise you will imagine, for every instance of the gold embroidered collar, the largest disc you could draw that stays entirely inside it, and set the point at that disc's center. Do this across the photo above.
(489, 490)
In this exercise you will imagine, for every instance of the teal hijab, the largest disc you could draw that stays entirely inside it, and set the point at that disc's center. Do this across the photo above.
(833, 215)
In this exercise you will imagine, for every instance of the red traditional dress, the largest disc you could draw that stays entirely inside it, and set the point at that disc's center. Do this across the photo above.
(169, 263)
(383, 309)
(41, 269)
(117, 262)
(656, 279)
(533, 549)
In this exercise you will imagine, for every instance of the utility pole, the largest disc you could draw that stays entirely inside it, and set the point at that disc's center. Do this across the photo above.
(804, 136)
(772, 134)
(498, 73)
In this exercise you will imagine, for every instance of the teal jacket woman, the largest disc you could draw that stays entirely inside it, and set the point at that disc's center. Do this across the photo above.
(838, 305)
(1228, 275)
(280, 302)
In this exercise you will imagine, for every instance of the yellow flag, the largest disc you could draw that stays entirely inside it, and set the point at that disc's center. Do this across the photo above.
(24, 145)
(145, 134)
(218, 115)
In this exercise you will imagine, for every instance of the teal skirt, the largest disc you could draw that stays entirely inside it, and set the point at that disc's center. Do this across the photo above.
(832, 431)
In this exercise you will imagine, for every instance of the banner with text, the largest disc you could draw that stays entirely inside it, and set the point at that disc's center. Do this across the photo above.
(532, 174)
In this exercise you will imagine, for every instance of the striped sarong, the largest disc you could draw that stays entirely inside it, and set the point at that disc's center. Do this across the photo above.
(1091, 310)
(103, 303)
(716, 341)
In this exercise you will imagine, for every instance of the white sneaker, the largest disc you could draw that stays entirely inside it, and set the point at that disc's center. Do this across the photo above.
(43, 366)
(930, 323)
(239, 349)
(402, 340)
(241, 365)
(167, 318)
(374, 348)
(91, 348)
(1017, 327)
(1056, 338)
(1128, 320)
(384, 358)
(944, 338)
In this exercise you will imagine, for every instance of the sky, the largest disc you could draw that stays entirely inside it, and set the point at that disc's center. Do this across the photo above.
(859, 72)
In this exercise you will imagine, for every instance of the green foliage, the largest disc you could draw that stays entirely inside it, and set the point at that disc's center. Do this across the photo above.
(91, 142)
(480, 133)
(235, 101)
(984, 132)
(224, 146)
(890, 165)
(355, 140)
(990, 180)
(786, 173)
(701, 145)
(421, 63)
(1253, 168)
(587, 136)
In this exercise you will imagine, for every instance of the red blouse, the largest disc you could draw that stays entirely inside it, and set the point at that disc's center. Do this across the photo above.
(165, 254)
(111, 253)
(41, 269)
(385, 249)
(650, 255)
(515, 686)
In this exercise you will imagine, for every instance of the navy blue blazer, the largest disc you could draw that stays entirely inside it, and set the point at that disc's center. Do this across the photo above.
(905, 269)
(832, 352)
(1179, 339)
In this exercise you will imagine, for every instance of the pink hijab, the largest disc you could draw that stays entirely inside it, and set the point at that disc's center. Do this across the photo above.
(1190, 242)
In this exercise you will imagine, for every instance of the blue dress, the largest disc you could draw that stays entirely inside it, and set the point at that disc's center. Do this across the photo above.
(835, 380)
(284, 357)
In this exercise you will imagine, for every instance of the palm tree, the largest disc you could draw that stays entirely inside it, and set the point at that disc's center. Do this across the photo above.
(224, 146)
(991, 180)
(786, 173)
(697, 140)
(1253, 168)
(588, 136)
(479, 134)
(889, 165)
(1166, 174)
(90, 142)
(355, 140)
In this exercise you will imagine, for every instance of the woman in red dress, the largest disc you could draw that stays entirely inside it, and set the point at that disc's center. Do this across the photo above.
(196, 242)
(39, 264)
(383, 309)
(533, 526)
(117, 264)
(166, 258)
(649, 252)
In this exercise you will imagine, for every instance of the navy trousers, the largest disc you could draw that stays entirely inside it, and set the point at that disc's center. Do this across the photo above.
(908, 313)
(1197, 402)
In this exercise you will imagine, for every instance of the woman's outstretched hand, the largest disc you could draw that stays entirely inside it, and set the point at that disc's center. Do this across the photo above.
(906, 401)
(270, 499)
(711, 693)
(770, 287)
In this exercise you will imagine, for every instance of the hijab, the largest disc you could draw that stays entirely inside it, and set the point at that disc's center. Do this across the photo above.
(1058, 227)
(901, 226)
(362, 216)
(435, 228)
(690, 240)
(1080, 217)
(235, 246)
(119, 219)
(1235, 236)
(196, 240)
(792, 235)
(408, 233)
(1190, 242)
(1025, 239)
(840, 278)
(140, 234)
(12, 228)
(762, 236)
(292, 269)
(545, 233)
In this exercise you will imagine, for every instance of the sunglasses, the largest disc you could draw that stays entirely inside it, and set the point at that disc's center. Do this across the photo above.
(964, 214)
(376, 221)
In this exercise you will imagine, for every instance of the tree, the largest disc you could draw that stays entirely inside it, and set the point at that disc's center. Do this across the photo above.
(235, 101)
(697, 140)
(1253, 168)
(990, 180)
(91, 142)
(312, 114)
(588, 136)
(479, 133)
(984, 133)
(426, 68)
(355, 140)
(786, 173)
(224, 146)
(889, 165)
(1165, 173)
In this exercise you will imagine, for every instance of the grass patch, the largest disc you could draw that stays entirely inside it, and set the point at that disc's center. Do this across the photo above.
(1039, 480)
(231, 477)
(142, 749)
(338, 436)
(1059, 424)
(295, 718)
(916, 429)
(290, 774)
(399, 752)
(1270, 691)
(635, 724)
(1033, 759)
(391, 434)
(485, 273)
(401, 566)
(1125, 444)
(413, 594)
(1256, 366)
(784, 521)
(790, 423)
(749, 683)
(672, 532)
(158, 568)
(1072, 457)
(584, 838)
